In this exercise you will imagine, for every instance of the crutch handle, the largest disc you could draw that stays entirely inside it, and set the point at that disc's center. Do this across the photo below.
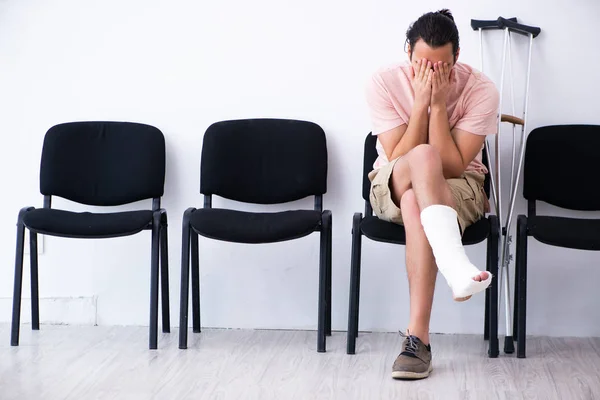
(519, 28)
(486, 24)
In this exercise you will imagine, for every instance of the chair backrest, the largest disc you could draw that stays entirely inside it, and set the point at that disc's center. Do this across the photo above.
(561, 166)
(371, 155)
(103, 163)
(368, 160)
(264, 161)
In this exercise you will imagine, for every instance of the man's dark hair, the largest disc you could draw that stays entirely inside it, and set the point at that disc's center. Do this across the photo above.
(436, 29)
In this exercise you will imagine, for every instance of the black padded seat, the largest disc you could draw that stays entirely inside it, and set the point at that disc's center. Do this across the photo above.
(87, 225)
(251, 227)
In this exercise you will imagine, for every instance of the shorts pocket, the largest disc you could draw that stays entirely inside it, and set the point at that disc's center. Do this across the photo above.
(379, 194)
(463, 189)
(476, 194)
(476, 188)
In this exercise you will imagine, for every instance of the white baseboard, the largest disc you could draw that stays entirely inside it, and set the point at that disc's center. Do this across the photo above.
(55, 310)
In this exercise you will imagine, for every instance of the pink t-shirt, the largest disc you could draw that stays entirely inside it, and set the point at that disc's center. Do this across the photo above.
(472, 104)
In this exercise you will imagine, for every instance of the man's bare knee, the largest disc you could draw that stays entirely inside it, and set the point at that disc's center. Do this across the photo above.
(409, 207)
(400, 180)
(401, 168)
(424, 155)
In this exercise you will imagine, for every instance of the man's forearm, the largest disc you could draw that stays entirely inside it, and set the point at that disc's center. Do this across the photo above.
(441, 139)
(416, 132)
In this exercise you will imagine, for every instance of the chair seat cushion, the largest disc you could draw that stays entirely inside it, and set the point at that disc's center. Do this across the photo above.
(250, 227)
(382, 231)
(573, 233)
(86, 225)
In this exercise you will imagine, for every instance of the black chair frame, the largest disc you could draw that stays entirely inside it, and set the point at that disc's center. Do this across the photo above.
(159, 259)
(492, 237)
(560, 166)
(190, 247)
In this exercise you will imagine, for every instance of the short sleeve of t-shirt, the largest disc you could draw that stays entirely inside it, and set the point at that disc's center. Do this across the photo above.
(481, 110)
(384, 115)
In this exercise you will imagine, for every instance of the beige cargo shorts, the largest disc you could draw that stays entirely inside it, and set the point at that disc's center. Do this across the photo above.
(469, 197)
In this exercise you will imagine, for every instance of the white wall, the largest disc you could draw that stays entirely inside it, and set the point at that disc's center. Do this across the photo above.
(181, 65)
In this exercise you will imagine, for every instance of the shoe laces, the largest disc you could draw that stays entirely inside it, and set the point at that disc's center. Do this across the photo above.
(412, 344)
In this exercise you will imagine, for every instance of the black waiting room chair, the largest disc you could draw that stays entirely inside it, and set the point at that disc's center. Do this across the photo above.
(98, 164)
(375, 229)
(561, 169)
(260, 161)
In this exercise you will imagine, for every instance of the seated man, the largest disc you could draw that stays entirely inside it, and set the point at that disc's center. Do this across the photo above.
(431, 115)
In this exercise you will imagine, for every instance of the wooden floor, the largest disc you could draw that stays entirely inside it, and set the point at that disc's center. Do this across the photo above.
(63, 362)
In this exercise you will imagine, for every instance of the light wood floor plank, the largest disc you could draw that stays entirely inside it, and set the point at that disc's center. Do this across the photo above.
(63, 362)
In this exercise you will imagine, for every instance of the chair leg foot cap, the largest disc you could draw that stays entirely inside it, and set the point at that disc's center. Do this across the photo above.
(509, 345)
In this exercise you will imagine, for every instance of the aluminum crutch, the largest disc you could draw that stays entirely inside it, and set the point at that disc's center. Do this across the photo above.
(531, 32)
(507, 25)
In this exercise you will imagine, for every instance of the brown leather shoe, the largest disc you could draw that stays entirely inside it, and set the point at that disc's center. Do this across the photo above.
(415, 360)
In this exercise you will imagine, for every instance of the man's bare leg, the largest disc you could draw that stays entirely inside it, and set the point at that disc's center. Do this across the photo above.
(418, 187)
(420, 267)
(426, 178)
(429, 188)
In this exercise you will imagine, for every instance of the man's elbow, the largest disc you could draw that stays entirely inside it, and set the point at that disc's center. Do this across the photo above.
(454, 170)
(452, 174)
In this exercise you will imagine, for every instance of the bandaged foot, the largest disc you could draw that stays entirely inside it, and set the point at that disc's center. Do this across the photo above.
(441, 228)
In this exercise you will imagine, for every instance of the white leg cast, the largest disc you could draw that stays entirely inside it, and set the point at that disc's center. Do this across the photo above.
(440, 224)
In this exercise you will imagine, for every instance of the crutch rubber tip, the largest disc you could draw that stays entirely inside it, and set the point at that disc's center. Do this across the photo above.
(509, 345)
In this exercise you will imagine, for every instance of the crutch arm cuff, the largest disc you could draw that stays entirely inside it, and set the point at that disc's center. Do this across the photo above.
(488, 24)
(519, 28)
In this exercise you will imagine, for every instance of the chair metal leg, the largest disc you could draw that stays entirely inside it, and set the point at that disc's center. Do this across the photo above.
(35, 298)
(322, 312)
(154, 262)
(16, 312)
(354, 284)
(357, 298)
(195, 283)
(329, 280)
(164, 277)
(185, 278)
(493, 245)
(515, 306)
(521, 277)
(486, 319)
